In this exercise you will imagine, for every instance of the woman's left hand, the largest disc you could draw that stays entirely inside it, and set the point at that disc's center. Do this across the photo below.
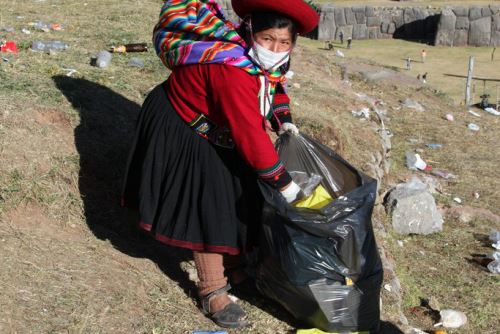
(289, 127)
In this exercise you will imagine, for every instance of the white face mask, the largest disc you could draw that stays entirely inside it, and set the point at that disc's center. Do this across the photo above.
(267, 58)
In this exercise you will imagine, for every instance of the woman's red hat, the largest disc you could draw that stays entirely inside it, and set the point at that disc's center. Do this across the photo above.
(299, 11)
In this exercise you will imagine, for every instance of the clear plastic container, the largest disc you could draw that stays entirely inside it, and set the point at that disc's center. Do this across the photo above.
(47, 46)
(103, 59)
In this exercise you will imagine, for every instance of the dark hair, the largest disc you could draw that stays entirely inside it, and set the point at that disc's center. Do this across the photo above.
(268, 20)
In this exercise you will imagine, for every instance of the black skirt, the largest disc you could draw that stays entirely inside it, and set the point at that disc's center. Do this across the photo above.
(190, 193)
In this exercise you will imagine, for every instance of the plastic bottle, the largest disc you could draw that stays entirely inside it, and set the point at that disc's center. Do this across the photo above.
(103, 59)
(133, 47)
(47, 46)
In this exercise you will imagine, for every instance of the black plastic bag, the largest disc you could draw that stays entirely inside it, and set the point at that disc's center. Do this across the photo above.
(322, 265)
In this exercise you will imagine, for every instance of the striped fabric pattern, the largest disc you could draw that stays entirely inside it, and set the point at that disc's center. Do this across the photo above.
(196, 32)
(273, 173)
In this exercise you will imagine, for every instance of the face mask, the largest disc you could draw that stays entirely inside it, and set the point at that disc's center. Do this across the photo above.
(267, 58)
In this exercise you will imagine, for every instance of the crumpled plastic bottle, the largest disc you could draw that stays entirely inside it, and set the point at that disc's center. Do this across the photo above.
(103, 59)
(47, 46)
(452, 318)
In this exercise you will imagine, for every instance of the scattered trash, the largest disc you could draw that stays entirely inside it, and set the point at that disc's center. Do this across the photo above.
(457, 199)
(363, 113)
(414, 162)
(5, 59)
(102, 59)
(48, 46)
(289, 74)
(434, 146)
(46, 27)
(133, 47)
(25, 31)
(492, 111)
(70, 71)
(136, 62)
(296, 85)
(443, 174)
(400, 243)
(450, 117)
(209, 332)
(413, 140)
(472, 112)
(8, 29)
(473, 127)
(409, 103)
(452, 319)
(439, 331)
(476, 195)
(339, 53)
(417, 331)
(494, 266)
(388, 287)
(8, 47)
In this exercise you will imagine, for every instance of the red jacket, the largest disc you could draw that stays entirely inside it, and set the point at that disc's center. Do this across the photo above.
(228, 96)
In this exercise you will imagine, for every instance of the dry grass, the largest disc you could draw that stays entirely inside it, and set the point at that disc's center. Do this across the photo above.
(70, 262)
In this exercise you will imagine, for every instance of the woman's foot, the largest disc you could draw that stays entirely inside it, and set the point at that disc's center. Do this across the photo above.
(225, 313)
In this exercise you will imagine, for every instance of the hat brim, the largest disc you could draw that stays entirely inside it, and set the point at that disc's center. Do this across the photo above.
(298, 11)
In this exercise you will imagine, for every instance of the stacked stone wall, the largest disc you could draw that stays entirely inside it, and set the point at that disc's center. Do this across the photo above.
(476, 26)
(458, 26)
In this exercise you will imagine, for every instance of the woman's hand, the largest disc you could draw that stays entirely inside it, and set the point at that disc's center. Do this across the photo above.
(292, 192)
(289, 127)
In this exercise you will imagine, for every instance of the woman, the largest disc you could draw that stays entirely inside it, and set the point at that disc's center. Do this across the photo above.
(201, 141)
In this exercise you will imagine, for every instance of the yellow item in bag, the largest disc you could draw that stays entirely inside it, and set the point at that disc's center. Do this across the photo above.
(318, 199)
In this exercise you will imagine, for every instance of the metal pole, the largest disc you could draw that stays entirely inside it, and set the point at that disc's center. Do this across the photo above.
(469, 80)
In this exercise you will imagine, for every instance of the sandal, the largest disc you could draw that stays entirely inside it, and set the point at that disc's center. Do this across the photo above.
(231, 316)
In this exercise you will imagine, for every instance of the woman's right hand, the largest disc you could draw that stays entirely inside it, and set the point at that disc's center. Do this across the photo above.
(292, 192)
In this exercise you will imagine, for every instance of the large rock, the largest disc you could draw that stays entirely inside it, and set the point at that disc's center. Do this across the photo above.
(340, 17)
(486, 11)
(446, 28)
(327, 27)
(413, 209)
(495, 31)
(350, 18)
(480, 32)
(475, 13)
(409, 15)
(359, 31)
(360, 17)
(461, 11)
(462, 23)
(374, 32)
(392, 28)
(399, 20)
(384, 27)
(461, 38)
(373, 21)
(369, 11)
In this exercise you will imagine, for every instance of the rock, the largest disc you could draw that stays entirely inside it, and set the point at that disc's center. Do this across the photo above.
(461, 38)
(359, 9)
(369, 11)
(339, 17)
(360, 18)
(384, 27)
(373, 21)
(409, 103)
(374, 32)
(475, 13)
(495, 9)
(359, 31)
(480, 32)
(446, 28)
(413, 209)
(409, 15)
(327, 27)
(462, 23)
(461, 11)
(399, 21)
(495, 31)
(346, 30)
(392, 28)
(350, 18)
(486, 11)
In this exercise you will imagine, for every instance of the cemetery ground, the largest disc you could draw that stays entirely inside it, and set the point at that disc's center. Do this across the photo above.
(72, 264)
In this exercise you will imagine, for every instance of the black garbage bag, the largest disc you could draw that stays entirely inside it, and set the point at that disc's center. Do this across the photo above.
(322, 265)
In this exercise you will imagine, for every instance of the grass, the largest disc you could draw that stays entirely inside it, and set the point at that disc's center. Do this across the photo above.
(70, 263)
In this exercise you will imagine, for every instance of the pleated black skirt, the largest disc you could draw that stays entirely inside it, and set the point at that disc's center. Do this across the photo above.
(189, 192)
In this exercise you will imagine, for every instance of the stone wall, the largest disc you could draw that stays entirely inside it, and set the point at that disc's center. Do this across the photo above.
(476, 26)
(367, 22)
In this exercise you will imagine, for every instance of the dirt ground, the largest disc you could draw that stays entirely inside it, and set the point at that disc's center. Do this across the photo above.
(72, 263)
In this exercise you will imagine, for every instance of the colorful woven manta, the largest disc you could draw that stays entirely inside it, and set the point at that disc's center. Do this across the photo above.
(196, 32)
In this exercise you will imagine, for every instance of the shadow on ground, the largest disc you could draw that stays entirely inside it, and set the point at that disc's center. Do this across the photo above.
(103, 137)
